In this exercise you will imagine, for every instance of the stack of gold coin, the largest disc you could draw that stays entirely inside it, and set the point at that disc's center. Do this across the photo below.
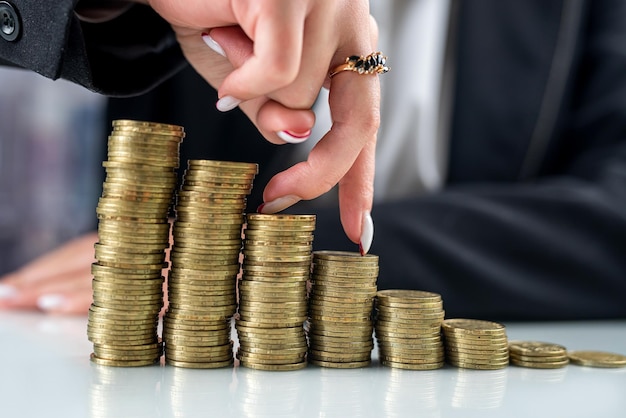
(272, 291)
(408, 329)
(205, 262)
(343, 287)
(133, 234)
(537, 354)
(475, 344)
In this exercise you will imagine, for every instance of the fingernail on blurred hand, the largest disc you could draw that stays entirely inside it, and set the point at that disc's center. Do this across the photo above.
(50, 302)
(294, 137)
(279, 204)
(7, 292)
(227, 103)
(212, 44)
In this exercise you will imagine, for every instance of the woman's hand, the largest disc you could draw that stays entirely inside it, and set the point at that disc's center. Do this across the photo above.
(57, 282)
(278, 54)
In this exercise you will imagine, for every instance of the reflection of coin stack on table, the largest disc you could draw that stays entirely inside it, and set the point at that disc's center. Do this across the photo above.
(408, 329)
(475, 344)
(205, 262)
(272, 292)
(133, 234)
(343, 287)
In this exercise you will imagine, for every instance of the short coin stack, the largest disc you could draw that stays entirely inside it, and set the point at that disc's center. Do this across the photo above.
(343, 287)
(408, 329)
(205, 263)
(537, 354)
(272, 291)
(133, 234)
(475, 344)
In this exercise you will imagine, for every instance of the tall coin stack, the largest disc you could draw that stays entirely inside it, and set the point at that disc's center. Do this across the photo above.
(205, 262)
(475, 344)
(343, 287)
(133, 234)
(273, 291)
(408, 329)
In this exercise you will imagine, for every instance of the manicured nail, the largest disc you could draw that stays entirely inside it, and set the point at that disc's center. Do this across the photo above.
(279, 204)
(7, 292)
(227, 103)
(212, 44)
(50, 302)
(260, 208)
(294, 137)
(367, 233)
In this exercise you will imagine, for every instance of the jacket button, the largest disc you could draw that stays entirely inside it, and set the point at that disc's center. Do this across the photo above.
(10, 26)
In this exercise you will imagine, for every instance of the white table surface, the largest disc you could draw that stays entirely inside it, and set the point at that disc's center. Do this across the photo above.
(46, 372)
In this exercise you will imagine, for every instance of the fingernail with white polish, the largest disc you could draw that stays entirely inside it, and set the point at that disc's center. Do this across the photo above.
(50, 302)
(279, 204)
(212, 44)
(294, 137)
(7, 292)
(227, 103)
(367, 233)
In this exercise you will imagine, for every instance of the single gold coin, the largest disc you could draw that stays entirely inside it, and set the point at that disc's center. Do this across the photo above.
(536, 348)
(272, 367)
(557, 364)
(597, 358)
(197, 365)
(472, 326)
(123, 363)
(415, 366)
(341, 365)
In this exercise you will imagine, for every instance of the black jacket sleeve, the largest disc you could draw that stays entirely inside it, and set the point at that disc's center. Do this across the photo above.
(125, 56)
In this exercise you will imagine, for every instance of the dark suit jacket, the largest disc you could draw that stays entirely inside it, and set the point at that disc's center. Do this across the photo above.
(532, 221)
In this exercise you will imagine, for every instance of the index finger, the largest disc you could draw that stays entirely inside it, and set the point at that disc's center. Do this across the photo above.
(354, 102)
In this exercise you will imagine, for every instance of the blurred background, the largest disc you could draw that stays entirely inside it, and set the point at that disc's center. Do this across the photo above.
(52, 144)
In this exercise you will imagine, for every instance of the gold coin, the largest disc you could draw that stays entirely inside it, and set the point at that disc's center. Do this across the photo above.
(472, 326)
(476, 358)
(365, 289)
(415, 296)
(199, 357)
(538, 359)
(130, 123)
(536, 348)
(278, 234)
(500, 342)
(271, 358)
(273, 367)
(365, 267)
(424, 366)
(133, 167)
(344, 256)
(203, 275)
(199, 365)
(123, 363)
(339, 358)
(127, 354)
(254, 218)
(477, 352)
(185, 315)
(557, 364)
(597, 358)
(472, 365)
